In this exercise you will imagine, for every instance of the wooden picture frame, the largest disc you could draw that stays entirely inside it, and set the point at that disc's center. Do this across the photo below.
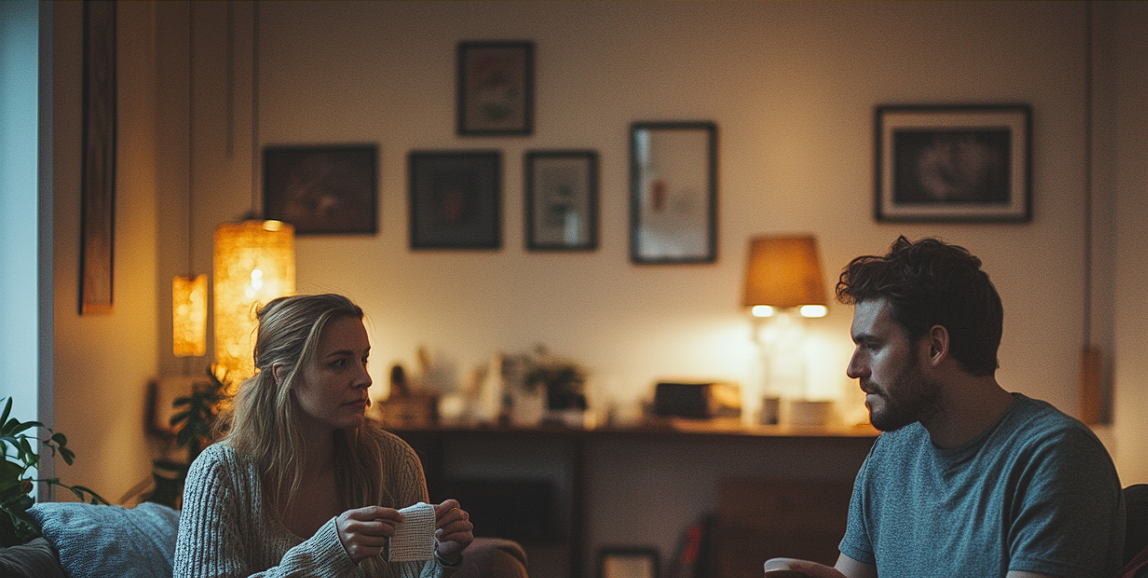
(953, 163)
(98, 166)
(322, 189)
(455, 199)
(495, 88)
(673, 192)
(628, 562)
(561, 200)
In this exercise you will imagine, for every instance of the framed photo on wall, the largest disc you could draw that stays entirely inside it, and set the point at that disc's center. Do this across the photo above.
(954, 163)
(673, 192)
(495, 88)
(322, 190)
(455, 199)
(561, 200)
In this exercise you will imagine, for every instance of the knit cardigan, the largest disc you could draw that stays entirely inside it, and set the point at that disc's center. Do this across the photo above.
(228, 530)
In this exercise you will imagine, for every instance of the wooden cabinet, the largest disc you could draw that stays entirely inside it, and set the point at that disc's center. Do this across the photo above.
(565, 493)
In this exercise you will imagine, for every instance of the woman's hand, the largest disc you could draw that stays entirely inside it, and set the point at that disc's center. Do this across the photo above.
(453, 530)
(364, 531)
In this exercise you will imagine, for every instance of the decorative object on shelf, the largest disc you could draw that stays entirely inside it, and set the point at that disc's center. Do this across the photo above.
(455, 199)
(98, 187)
(561, 200)
(784, 285)
(673, 192)
(697, 400)
(254, 262)
(17, 439)
(322, 189)
(628, 562)
(406, 405)
(564, 381)
(954, 163)
(495, 88)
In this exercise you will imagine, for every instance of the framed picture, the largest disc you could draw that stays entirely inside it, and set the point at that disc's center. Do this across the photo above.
(322, 190)
(673, 192)
(561, 200)
(455, 199)
(495, 88)
(628, 563)
(954, 163)
(98, 166)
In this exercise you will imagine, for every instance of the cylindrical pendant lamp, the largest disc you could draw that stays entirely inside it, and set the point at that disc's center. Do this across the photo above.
(254, 263)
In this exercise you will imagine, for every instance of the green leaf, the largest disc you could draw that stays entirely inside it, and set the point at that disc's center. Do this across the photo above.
(7, 410)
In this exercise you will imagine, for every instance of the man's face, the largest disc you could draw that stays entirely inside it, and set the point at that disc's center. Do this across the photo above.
(888, 368)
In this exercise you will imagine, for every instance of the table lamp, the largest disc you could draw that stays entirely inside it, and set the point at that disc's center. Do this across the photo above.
(783, 277)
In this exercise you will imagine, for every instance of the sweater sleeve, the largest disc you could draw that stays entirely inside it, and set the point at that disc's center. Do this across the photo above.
(222, 535)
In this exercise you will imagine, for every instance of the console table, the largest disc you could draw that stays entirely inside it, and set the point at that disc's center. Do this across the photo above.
(567, 491)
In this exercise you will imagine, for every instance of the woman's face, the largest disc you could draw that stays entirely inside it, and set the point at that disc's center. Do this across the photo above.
(333, 389)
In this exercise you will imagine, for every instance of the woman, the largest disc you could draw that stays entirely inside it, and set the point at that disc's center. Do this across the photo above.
(303, 484)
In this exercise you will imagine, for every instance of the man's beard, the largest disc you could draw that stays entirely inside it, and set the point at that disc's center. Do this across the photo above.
(908, 399)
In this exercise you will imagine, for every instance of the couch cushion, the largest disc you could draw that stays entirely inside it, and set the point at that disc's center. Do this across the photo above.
(36, 559)
(110, 541)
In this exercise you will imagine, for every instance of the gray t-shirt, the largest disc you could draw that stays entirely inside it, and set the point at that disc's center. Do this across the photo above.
(1035, 492)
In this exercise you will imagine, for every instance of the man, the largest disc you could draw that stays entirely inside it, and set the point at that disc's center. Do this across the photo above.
(968, 479)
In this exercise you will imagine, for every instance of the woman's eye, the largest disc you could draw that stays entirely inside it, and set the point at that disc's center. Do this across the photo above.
(339, 363)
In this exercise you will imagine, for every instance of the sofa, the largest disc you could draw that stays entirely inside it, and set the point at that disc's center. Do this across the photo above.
(90, 541)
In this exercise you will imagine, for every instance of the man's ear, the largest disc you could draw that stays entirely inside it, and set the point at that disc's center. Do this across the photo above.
(936, 345)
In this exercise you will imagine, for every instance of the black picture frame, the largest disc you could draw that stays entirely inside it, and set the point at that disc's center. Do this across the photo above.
(455, 199)
(561, 200)
(957, 163)
(495, 88)
(98, 166)
(322, 189)
(673, 192)
(628, 562)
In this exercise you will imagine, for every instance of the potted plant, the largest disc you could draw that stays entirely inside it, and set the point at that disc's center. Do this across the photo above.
(195, 429)
(564, 382)
(17, 441)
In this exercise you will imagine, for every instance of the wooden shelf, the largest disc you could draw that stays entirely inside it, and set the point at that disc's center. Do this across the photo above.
(442, 445)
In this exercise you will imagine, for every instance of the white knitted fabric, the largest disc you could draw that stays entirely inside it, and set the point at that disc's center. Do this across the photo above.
(414, 536)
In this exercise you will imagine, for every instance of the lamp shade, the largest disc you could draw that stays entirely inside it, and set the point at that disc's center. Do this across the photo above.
(189, 316)
(783, 272)
(254, 262)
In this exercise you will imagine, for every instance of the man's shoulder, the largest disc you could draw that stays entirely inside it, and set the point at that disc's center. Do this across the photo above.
(1038, 418)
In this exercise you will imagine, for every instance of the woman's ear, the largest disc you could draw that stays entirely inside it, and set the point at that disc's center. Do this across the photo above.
(278, 372)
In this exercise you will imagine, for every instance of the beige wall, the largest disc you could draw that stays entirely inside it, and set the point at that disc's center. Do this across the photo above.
(791, 85)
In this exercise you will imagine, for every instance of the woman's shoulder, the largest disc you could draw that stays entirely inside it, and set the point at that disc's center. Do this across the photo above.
(388, 443)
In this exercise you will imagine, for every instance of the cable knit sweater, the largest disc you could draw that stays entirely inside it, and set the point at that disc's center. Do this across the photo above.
(228, 530)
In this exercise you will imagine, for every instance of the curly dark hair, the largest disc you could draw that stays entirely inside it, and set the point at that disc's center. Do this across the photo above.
(930, 283)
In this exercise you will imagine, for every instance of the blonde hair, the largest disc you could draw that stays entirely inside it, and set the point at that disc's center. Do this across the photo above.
(264, 424)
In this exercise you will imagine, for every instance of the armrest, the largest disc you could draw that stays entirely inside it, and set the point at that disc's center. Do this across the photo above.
(493, 558)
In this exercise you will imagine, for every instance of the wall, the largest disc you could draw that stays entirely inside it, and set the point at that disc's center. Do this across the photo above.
(103, 362)
(1129, 133)
(792, 88)
(791, 85)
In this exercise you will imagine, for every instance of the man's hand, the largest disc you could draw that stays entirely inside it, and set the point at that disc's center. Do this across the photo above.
(846, 568)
